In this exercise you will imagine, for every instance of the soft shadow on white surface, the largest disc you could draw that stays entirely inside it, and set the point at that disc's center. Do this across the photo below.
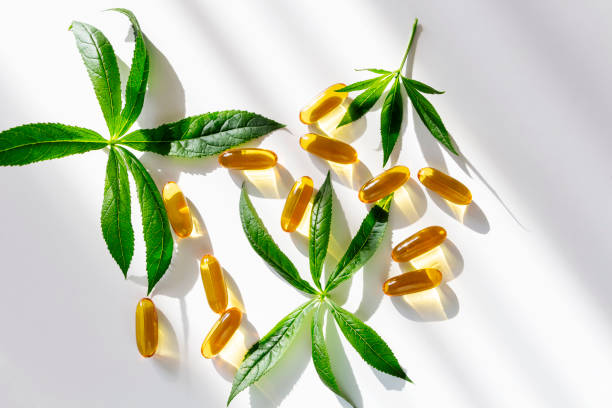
(275, 182)
(167, 356)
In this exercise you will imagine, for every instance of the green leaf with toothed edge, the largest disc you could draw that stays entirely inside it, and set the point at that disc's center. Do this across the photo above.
(364, 101)
(421, 87)
(391, 119)
(320, 228)
(358, 86)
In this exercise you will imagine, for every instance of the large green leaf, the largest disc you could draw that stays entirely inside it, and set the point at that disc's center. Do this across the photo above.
(391, 119)
(136, 86)
(358, 86)
(320, 226)
(116, 219)
(264, 245)
(203, 135)
(155, 225)
(268, 351)
(363, 245)
(364, 102)
(44, 141)
(320, 355)
(367, 342)
(101, 63)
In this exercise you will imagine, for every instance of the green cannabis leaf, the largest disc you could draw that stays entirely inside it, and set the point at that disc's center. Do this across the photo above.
(262, 356)
(197, 136)
(392, 111)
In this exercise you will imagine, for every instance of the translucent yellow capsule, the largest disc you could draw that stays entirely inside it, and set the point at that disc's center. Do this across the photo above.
(418, 243)
(443, 184)
(146, 327)
(214, 283)
(221, 332)
(248, 159)
(412, 282)
(177, 209)
(325, 102)
(296, 204)
(329, 149)
(384, 184)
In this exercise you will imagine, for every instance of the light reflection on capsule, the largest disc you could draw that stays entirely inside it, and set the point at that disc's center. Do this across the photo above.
(177, 210)
(384, 184)
(446, 186)
(214, 283)
(327, 148)
(418, 243)
(412, 282)
(247, 159)
(221, 332)
(296, 204)
(323, 104)
(146, 327)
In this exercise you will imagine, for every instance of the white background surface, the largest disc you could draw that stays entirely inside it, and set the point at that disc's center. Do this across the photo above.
(524, 323)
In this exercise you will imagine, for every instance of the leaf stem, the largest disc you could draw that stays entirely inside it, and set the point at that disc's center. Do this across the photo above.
(414, 27)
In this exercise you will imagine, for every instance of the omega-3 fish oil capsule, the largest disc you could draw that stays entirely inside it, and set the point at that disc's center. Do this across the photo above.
(247, 159)
(412, 282)
(446, 186)
(384, 184)
(214, 283)
(177, 209)
(221, 332)
(296, 204)
(418, 243)
(146, 327)
(324, 103)
(327, 148)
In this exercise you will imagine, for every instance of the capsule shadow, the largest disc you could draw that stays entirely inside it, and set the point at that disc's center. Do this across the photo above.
(470, 215)
(409, 205)
(275, 182)
(167, 355)
(436, 304)
(227, 362)
(446, 258)
(347, 133)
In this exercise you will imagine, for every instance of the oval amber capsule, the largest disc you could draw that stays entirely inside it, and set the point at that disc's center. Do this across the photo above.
(412, 282)
(221, 332)
(177, 209)
(329, 149)
(214, 283)
(146, 327)
(325, 102)
(384, 184)
(296, 204)
(247, 159)
(418, 243)
(449, 188)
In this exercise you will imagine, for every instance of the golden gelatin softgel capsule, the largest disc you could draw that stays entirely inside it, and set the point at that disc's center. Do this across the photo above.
(296, 204)
(214, 283)
(446, 186)
(418, 243)
(247, 159)
(384, 184)
(146, 327)
(221, 332)
(177, 209)
(327, 148)
(324, 103)
(412, 282)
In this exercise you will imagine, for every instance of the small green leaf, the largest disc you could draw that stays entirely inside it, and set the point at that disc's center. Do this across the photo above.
(357, 86)
(268, 351)
(101, 63)
(429, 116)
(203, 135)
(155, 225)
(116, 219)
(367, 342)
(420, 86)
(363, 245)
(320, 226)
(136, 86)
(44, 141)
(374, 70)
(320, 355)
(391, 119)
(266, 248)
(364, 101)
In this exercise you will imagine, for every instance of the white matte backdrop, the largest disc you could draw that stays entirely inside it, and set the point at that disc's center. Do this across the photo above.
(525, 322)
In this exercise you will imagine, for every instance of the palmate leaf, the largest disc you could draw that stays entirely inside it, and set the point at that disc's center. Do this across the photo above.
(364, 101)
(320, 227)
(391, 119)
(202, 135)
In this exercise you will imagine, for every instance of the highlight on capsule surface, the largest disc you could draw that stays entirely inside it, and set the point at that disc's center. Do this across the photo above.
(412, 282)
(248, 159)
(447, 187)
(327, 148)
(418, 243)
(146, 327)
(324, 103)
(221, 332)
(214, 283)
(384, 184)
(296, 204)
(177, 209)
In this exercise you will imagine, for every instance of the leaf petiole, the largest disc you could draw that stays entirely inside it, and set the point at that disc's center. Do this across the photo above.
(414, 28)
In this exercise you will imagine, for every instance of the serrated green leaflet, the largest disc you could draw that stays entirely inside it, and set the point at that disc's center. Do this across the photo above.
(320, 227)
(202, 135)
(374, 70)
(267, 351)
(116, 219)
(370, 346)
(45, 141)
(421, 87)
(358, 86)
(391, 119)
(364, 102)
